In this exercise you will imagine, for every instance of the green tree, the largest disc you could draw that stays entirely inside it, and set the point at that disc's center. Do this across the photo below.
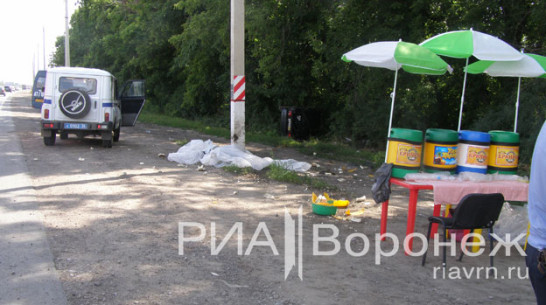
(293, 51)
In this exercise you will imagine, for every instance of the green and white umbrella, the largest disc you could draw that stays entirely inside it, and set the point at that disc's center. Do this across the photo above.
(531, 65)
(467, 43)
(394, 55)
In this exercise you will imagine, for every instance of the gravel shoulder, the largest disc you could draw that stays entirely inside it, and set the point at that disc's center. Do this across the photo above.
(112, 220)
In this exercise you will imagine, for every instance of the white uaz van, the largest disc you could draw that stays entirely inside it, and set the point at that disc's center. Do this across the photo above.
(84, 101)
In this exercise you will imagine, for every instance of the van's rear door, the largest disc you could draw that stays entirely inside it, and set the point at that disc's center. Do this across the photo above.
(132, 100)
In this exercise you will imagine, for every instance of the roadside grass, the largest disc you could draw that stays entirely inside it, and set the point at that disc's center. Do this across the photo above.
(281, 174)
(314, 147)
(239, 170)
(341, 152)
(166, 120)
(181, 142)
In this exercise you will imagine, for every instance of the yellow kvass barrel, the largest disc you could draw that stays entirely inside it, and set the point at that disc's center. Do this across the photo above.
(503, 152)
(405, 148)
(440, 150)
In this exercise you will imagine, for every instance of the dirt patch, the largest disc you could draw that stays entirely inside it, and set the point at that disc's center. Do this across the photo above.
(112, 218)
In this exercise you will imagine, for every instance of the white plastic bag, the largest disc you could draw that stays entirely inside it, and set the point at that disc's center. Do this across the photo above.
(211, 155)
(192, 152)
(231, 155)
(513, 220)
(293, 165)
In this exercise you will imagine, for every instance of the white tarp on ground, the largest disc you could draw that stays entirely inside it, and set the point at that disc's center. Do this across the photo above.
(210, 154)
(513, 220)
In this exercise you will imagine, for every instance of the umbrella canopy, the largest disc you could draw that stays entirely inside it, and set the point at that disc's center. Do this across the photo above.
(394, 55)
(467, 43)
(531, 65)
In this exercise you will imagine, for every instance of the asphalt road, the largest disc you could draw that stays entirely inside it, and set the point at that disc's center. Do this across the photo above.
(27, 271)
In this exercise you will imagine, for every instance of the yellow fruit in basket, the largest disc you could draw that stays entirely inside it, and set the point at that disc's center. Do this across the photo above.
(341, 203)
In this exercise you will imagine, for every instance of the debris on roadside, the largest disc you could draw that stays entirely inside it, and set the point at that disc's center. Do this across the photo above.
(234, 285)
(208, 153)
(360, 199)
(269, 196)
(355, 216)
(356, 213)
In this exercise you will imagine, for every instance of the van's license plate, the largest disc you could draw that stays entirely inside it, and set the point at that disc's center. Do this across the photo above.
(75, 126)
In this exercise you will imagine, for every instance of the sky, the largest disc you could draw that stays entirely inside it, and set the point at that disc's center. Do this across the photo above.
(23, 23)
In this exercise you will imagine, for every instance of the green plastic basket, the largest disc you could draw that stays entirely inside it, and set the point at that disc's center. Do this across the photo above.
(324, 209)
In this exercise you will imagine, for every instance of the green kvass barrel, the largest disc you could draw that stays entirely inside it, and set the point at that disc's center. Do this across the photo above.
(503, 152)
(405, 147)
(440, 150)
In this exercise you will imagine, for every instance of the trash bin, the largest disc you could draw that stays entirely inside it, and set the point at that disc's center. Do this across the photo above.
(294, 123)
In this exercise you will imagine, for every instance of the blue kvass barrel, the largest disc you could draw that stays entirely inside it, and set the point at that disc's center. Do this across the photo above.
(473, 151)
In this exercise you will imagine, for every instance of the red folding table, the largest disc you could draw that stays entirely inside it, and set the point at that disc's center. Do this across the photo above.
(449, 192)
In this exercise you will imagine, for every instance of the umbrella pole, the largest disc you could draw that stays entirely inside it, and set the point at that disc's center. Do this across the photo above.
(393, 95)
(517, 106)
(462, 98)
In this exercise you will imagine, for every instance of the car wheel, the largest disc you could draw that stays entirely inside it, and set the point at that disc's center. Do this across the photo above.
(117, 131)
(75, 103)
(50, 141)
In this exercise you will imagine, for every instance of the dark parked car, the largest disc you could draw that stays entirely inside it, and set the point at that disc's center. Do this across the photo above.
(38, 89)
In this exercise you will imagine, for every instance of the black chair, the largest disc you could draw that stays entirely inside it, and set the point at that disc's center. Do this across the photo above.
(474, 211)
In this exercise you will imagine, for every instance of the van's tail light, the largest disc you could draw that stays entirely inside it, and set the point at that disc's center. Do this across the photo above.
(107, 117)
(46, 113)
(48, 125)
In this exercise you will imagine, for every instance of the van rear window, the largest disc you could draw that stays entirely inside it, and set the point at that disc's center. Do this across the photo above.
(40, 83)
(88, 85)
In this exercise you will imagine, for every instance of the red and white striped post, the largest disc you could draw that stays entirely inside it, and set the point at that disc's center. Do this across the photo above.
(238, 93)
(238, 73)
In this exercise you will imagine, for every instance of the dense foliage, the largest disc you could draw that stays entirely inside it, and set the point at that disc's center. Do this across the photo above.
(293, 51)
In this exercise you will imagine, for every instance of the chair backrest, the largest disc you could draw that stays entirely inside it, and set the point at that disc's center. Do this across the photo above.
(477, 211)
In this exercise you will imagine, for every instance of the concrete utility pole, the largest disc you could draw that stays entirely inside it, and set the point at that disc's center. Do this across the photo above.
(238, 73)
(43, 45)
(66, 37)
